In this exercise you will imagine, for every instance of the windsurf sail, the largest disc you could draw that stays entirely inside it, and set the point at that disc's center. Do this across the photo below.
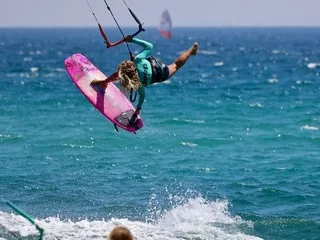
(165, 27)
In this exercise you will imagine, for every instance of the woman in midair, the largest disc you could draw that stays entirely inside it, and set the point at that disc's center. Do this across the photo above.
(145, 70)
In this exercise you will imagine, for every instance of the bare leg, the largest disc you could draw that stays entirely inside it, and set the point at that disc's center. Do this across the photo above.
(104, 82)
(182, 59)
(95, 81)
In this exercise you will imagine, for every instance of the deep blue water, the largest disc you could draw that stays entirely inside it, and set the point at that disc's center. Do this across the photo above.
(230, 148)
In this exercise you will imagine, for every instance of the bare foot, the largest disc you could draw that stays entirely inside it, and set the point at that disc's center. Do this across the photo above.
(194, 49)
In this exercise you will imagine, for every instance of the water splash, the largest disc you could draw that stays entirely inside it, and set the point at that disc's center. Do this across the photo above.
(197, 218)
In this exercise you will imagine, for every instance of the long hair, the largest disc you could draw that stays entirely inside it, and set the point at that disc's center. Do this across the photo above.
(128, 76)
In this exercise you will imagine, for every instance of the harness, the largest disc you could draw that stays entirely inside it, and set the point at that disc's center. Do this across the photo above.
(157, 74)
(156, 69)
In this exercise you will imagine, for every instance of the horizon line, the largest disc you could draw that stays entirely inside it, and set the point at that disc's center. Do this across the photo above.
(199, 26)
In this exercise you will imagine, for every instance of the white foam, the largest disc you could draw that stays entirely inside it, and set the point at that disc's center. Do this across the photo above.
(168, 81)
(218, 64)
(76, 146)
(256, 105)
(307, 127)
(34, 69)
(16, 225)
(24, 75)
(207, 52)
(60, 70)
(27, 59)
(273, 80)
(10, 136)
(189, 120)
(189, 144)
(48, 75)
(204, 75)
(313, 65)
(276, 51)
(197, 218)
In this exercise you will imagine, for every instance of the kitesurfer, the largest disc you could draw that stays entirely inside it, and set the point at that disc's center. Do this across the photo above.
(145, 70)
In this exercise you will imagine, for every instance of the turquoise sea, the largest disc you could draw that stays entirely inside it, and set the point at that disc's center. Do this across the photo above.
(230, 147)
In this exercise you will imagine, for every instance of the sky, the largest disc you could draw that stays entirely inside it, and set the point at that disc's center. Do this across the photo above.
(76, 13)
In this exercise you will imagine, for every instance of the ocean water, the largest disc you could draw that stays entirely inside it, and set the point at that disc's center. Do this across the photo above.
(230, 148)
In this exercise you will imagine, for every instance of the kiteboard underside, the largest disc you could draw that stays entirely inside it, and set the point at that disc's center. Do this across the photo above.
(110, 101)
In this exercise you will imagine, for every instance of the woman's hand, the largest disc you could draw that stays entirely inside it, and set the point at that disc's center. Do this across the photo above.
(128, 38)
(134, 117)
(137, 112)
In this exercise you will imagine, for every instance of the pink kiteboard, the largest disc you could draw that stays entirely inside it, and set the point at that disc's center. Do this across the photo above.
(110, 101)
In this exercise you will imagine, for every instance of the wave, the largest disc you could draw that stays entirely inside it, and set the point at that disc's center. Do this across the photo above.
(307, 127)
(256, 104)
(189, 120)
(207, 52)
(313, 65)
(195, 219)
(9, 136)
(189, 144)
(218, 64)
(273, 80)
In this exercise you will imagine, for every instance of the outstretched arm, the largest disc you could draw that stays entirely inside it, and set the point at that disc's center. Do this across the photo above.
(141, 92)
(146, 45)
(147, 48)
(142, 95)
(109, 44)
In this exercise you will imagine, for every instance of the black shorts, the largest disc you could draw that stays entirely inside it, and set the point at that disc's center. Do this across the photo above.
(160, 71)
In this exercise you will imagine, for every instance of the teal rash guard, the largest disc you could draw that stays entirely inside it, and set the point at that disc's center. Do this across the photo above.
(144, 67)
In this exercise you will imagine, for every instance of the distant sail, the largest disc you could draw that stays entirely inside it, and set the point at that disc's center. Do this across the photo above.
(165, 27)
